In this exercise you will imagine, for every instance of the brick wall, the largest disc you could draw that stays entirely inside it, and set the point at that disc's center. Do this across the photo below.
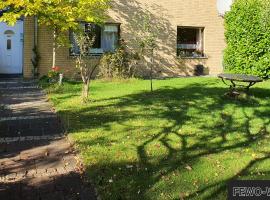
(45, 47)
(28, 46)
(167, 15)
(63, 60)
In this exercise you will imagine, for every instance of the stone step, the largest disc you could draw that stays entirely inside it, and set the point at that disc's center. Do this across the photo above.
(26, 109)
(35, 126)
(10, 140)
(16, 80)
(18, 83)
(20, 91)
(19, 87)
(23, 94)
(23, 100)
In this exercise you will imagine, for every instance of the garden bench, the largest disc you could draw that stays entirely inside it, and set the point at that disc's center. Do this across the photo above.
(234, 79)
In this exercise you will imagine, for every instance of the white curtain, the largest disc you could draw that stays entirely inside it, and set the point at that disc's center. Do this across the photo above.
(110, 37)
(199, 39)
(75, 50)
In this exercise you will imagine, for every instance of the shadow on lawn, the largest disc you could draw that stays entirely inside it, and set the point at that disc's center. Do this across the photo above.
(175, 105)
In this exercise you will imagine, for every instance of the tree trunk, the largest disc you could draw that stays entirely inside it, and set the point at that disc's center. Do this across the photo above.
(85, 90)
(151, 70)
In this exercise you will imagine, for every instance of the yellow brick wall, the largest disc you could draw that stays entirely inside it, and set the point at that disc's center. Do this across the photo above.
(167, 15)
(28, 46)
(63, 60)
(45, 47)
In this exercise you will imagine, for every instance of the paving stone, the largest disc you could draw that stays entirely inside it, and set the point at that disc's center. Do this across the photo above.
(56, 195)
(36, 160)
(11, 166)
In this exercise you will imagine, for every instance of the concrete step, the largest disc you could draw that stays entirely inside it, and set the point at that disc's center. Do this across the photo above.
(12, 83)
(35, 104)
(17, 91)
(25, 110)
(39, 126)
(13, 99)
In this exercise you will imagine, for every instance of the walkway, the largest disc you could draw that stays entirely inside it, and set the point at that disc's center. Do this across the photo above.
(37, 162)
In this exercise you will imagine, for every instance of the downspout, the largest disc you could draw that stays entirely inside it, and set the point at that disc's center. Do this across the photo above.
(35, 31)
(35, 55)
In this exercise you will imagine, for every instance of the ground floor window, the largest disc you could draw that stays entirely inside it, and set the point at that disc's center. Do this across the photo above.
(106, 38)
(190, 42)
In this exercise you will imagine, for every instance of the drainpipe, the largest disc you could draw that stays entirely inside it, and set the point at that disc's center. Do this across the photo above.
(35, 31)
(35, 56)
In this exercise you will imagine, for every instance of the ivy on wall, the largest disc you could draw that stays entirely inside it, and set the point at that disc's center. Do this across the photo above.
(247, 34)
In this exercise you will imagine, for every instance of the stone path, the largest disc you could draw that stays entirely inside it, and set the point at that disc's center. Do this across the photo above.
(37, 162)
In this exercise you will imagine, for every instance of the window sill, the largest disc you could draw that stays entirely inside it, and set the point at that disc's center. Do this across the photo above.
(92, 54)
(193, 58)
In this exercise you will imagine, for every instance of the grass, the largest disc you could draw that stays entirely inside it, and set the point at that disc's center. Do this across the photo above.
(185, 140)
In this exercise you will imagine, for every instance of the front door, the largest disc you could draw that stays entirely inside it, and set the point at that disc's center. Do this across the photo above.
(11, 48)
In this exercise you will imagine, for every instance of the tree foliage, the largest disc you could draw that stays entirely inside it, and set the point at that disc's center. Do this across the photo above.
(61, 14)
(248, 38)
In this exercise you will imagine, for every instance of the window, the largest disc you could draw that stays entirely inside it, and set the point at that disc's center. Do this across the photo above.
(8, 44)
(9, 32)
(106, 38)
(93, 30)
(190, 42)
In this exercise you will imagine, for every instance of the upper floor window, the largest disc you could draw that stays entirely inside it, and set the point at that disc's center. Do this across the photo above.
(190, 42)
(106, 38)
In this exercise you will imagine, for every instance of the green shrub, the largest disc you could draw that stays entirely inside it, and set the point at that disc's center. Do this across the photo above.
(248, 38)
(119, 64)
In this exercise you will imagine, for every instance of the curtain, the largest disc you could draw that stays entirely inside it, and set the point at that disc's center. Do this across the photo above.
(110, 38)
(199, 40)
(199, 45)
(75, 50)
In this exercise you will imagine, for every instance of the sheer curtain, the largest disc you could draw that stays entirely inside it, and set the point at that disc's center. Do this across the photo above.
(199, 40)
(75, 50)
(110, 38)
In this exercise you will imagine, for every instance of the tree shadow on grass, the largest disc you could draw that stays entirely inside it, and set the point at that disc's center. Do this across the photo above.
(218, 126)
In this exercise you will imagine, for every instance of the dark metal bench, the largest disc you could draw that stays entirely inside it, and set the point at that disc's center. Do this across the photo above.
(232, 80)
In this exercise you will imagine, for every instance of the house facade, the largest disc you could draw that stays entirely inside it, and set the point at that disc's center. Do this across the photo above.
(190, 37)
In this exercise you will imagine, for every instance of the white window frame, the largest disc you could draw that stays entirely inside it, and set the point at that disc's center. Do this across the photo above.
(100, 51)
(198, 47)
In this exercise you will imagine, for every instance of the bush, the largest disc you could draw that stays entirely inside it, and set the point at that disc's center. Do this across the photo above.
(248, 38)
(119, 64)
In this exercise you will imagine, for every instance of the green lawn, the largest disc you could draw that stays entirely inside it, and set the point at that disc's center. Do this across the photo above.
(183, 141)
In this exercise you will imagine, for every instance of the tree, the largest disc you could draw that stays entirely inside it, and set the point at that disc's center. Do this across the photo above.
(248, 34)
(148, 41)
(59, 15)
(85, 61)
(62, 16)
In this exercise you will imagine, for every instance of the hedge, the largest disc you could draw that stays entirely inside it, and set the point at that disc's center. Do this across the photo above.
(247, 32)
